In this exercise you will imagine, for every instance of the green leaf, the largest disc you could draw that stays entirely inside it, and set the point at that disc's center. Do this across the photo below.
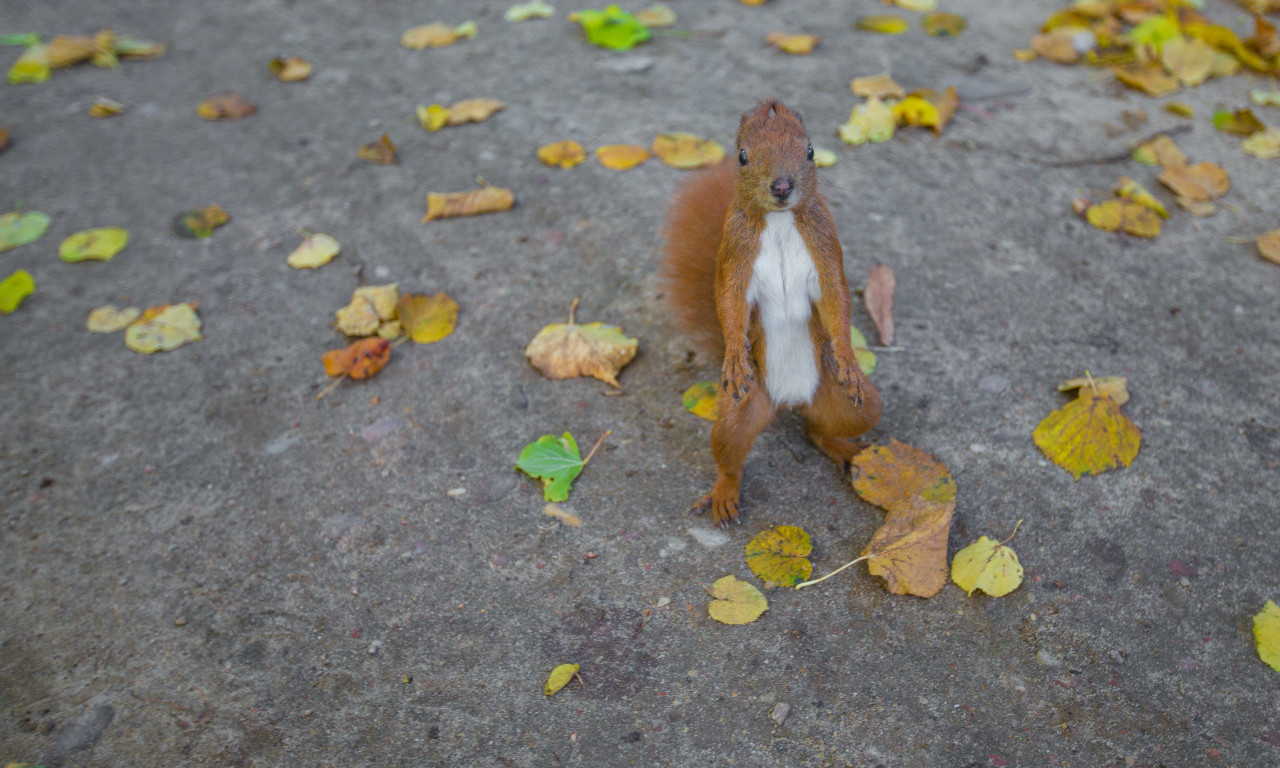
(101, 244)
(19, 229)
(556, 461)
(865, 357)
(780, 555)
(28, 39)
(31, 67)
(15, 288)
(1266, 632)
(612, 28)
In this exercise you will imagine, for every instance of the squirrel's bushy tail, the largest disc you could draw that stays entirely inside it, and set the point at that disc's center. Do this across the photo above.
(695, 225)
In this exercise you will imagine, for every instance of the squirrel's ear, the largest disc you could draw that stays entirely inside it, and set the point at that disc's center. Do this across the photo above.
(799, 117)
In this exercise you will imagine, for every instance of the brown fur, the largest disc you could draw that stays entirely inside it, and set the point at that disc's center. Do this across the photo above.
(713, 238)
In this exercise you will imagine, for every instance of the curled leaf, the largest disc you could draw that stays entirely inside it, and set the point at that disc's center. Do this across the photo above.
(1240, 122)
(559, 678)
(230, 106)
(290, 70)
(1266, 634)
(734, 601)
(823, 158)
(685, 150)
(361, 360)
(879, 86)
(105, 108)
(1124, 215)
(470, 203)
(883, 24)
(940, 24)
(621, 157)
(473, 111)
(1114, 387)
(15, 288)
(381, 152)
(878, 296)
(433, 118)
(656, 16)
(536, 9)
(436, 35)
(872, 121)
(1269, 246)
(31, 67)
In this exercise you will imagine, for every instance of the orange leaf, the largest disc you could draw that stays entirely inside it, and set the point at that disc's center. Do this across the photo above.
(894, 475)
(382, 151)
(562, 154)
(1200, 182)
(361, 360)
(621, 157)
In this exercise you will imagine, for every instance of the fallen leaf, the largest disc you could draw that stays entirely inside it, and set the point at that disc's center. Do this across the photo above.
(780, 555)
(21, 228)
(390, 330)
(559, 678)
(1024, 54)
(427, 319)
(230, 106)
(1190, 61)
(1057, 46)
(110, 318)
(4, 139)
(101, 244)
(1264, 145)
(871, 121)
(66, 50)
(796, 44)
(896, 475)
(1131, 190)
(1199, 182)
(1114, 387)
(473, 111)
(735, 602)
(562, 154)
(105, 108)
(290, 70)
(201, 222)
(1088, 435)
(473, 202)
(939, 24)
(537, 9)
(1225, 40)
(612, 28)
(314, 251)
(878, 296)
(31, 67)
(1160, 151)
(381, 152)
(556, 461)
(988, 565)
(702, 399)
(1240, 122)
(138, 49)
(436, 35)
(1124, 215)
(370, 306)
(564, 516)
(565, 351)
(433, 118)
(1269, 245)
(1148, 78)
(877, 86)
(361, 360)
(15, 288)
(621, 157)
(163, 328)
(685, 150)
(1265, 98)
(823, 158)
(1180, 109)
(865, 357)
(919, 6)
(915, 110)
(883, 24)
(657, 16)
(910, 550)
(1266, 633)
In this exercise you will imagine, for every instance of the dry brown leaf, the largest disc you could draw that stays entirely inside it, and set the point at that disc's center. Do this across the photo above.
(1148, 78)
(230, 106)
(473, 202)
(1160, 151)
(1058, 45)
(1200, 182)
(4, 139)
(566, 351)
(473, 111)
(436, 35)
(382, 151)
(105, 108)
(797, 44)
(878, 296)
(910, 550)
(360, 360)
(1269, 246)
(877, 86)
(1191, 61)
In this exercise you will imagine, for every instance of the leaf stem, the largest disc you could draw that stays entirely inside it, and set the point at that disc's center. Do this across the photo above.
(331, 387)
(573, 309)
(595, 447)
(803, 584)
(1015, 530)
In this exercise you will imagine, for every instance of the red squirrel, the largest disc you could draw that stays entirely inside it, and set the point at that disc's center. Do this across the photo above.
(754, 270)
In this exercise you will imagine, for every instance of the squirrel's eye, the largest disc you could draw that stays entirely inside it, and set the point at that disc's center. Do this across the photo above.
(810, 153)
(742, 157)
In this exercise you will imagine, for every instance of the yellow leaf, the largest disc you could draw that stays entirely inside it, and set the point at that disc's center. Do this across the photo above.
(66, 50)
(939, 24)
(1160, 151)
(1198, 183)
(1264, 145)
(562, 154)
(1180, 109)
(1148, 78)
(895, 475)
(914, 110)
(1114, 387)
(796, 44)
(656, 16)
(536, 9)
(1269, 246)
(105, 108)
(1025, 54)
(164, 328)
(883, 24)
(358, 318)
(31, 67)
(988, 565)
(560, 677)
(381, 152)
(15, 288)
(109, 318)
(780, 555)
(473, 111)
(735, 601)
(865, 357)
(1266, 633)
(1129, 189)
(872, 121)
(919, 6)
(436, 35)
(563, 351)
(685, 150)
(290, 70)
(621, 157)
(1130, 217)
(427, 319)
(564, 516)
(101, 244)
(473, 202)
(702, 400)
(823, 158)
(230, 106)
(390, 330)
(432, 118)
(1191, 61)
(1088, 435)
(315, 251)
(877, 86)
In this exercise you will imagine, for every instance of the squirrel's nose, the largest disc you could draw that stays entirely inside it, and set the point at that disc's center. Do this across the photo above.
(781, 188)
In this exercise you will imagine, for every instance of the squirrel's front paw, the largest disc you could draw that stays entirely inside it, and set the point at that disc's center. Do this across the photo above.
(737, 377)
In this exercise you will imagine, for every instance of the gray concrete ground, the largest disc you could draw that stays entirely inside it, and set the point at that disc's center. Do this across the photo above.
(204, 566)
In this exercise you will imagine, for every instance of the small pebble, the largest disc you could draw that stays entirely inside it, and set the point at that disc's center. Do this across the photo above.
(454, 493)
(780, 712)
(375, 646)
(181, 621)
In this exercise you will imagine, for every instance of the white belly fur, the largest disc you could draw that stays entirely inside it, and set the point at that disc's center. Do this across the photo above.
(784, 285)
